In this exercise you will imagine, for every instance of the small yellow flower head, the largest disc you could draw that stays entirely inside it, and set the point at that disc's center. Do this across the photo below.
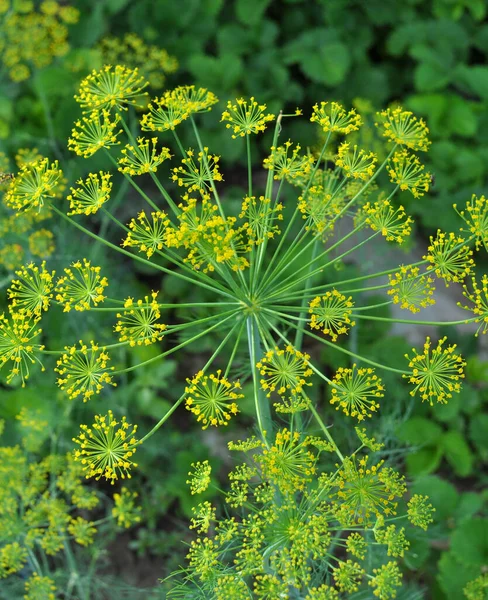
(12, 559)
(199, 477)
(318, 208)
(402, 127)
(331, 314)
(192, 99)
(81, 287)
(284, 371)
(357, 163)
(11, 256)
(269, 586)
(475, 215)
(333, 117)
(97, 130)
(386, 580)
(260, 219)
(367, 491)
(147, 235)
(420, 511)
(476, 588)
(140, 159)
(410, 289)
(27, 156)
(392, 223)
(34, 185)
(323, 592)
(82, 531)
(355, 391)
(41, 243)
(111, 88)
(39, 588)
(138, 323)
(203, 557)
(436, 373)
(106, 448)
(204, 516)
(125, 510)
(231, 587)
(164, 114)
(198, 175)
(17, 344)
(84, 371)
(32, 292)
(357, 545)
(450, 257)
(394, 539)
(406, 171)
(246, 117)
(479, 297)
(91, 194)
(212, 398)
(288, 164)
(366, 441)
(288, 463)
(348, 576)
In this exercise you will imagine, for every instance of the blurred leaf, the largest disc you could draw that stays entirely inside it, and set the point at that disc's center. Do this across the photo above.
(476, 78)
(443, 495)
(469, 504)
(457, 453)
(453, 575)
(418, 431)
(250, 12)
(478, 432)
(470, 542)
(430, 77)
(424, 461)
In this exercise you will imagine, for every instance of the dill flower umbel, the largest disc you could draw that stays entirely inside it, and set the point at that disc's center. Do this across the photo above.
(386, 580)
(34, 185)
(355, 391)
(348, 576)
(475, 215)
(333, 117)
(38, 586)
(41, 243)
(288, 166)
(197, 176)
(420, 511)
(284, 371)
(192, 99)
(111, 88)
(406, 171)
(140, 159)
(403, 128)
(97, 130)
(125, 510)
(410, 289)
(107, 447)
(91, 194)
(245, 117)
(81, 287)
(12, 559)
(393, 223)
(17, 345)
(450, 257)
(11, 256)
(331, 313)
(84, 371)
(82, 531)
(479, 297)
(357, 163)
(32, 292)
(260, 216)
(147, 235)
(212, 398)
(199, 477)
(138, 323)
(436, 373)
(165, 114)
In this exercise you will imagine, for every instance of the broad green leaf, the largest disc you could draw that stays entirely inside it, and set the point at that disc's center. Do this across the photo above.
(424, 461)
(470, 542)
(478, 432)
(457, 453)
(250, 12)
(454, 575)
(430, 77)
(476, 78)
(469, 504)
(418, 431)
(442, 494)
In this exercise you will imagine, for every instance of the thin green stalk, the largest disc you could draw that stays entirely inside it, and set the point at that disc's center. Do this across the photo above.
(263, 414)
(414, 322)
(299, 333)
(135, 257)
(178, 142)
(249, 166)
(182, 397)
(165, 194)
(74, 570)
(234, 350)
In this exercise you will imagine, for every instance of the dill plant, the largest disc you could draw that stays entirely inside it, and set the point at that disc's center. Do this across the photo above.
(300, 519)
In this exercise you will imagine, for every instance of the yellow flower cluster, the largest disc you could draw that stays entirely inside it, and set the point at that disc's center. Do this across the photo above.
(475, 215)
(450, 257)
(91, 133)
(107, 447)
(91, 194)
(357, 163)
(436, 373)
(331, 313)
(212, 398)
(332, 117)
(140, 159)
(147, 235)
(284, 371)
(288, 166)
(33, 291)
(259, 219)
(81, 287)
(403, 128)
(35, 184)
(198, 176)
(410, 289)
(34, 38)
(479, 297)
(84, 371)
(392, 223)
(355, 391)
(244, 117)
(406, 171)
(138, 323)
(41, 243)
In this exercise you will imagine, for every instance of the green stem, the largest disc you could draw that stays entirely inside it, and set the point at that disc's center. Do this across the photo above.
(249, 167)
(180, 145)
(261, 404)
(414, 322)
(299, 333)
